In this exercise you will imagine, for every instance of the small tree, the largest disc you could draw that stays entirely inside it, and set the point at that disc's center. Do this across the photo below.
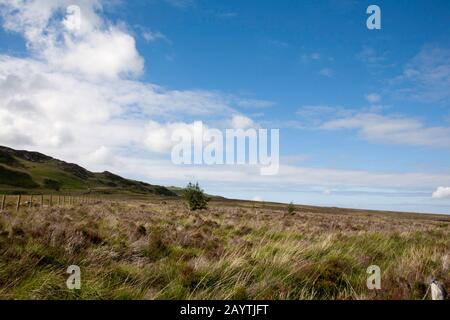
(52, 184)
(195, 197)
(291, 209)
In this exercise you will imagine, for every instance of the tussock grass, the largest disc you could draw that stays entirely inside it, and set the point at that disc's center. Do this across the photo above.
(154, 250)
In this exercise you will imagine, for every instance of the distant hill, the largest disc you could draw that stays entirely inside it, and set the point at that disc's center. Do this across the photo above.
(26, 171)
(179, 192)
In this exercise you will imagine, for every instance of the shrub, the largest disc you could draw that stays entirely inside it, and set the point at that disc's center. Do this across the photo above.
(195, 197)
(52, 184)
(291, 209)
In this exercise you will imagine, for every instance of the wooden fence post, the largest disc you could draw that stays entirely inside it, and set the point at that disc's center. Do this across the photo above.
(51, 200)
(30, 205)
(42, 200)
(18, 202)
(3, 202)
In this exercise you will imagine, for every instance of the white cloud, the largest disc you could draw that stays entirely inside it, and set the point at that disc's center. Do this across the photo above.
(315, 115)
(426, 78)
(373, 98)
(309, 111)
(278, 43)
(241, 122)
(310, 57)
(327, 72)
(72, 96)
(289, 178)
(254, 103)
(159, 136)
(315, 56)
(181, 4)
(97, 48)
(151, 36)
(372, 58)
(109, 54)
(392, 129)
(40, 106)
(441, 193)
(227, 15)
(102, 156)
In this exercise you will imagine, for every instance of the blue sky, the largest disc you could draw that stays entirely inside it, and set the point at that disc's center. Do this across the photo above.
(363, 114)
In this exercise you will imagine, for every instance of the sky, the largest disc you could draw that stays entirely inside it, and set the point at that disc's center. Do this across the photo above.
(363, 114)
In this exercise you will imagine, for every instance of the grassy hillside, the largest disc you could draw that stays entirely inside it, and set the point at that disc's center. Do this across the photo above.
(234, 250)
(31, 172)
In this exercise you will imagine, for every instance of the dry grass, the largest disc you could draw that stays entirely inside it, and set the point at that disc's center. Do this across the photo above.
(234, 250)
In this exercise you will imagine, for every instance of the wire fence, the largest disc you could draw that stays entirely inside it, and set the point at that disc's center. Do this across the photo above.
(17, 202)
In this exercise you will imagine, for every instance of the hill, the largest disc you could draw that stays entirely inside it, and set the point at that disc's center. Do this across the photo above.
(26, 171)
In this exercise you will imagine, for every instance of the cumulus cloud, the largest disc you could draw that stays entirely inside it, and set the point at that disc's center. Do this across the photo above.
(441, 193)
(159, 136)
(102, 156)
(106, 54)
(73, 96)
(91, 47)
(239, 121)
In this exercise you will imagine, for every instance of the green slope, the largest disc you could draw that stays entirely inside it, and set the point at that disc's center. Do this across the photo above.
(25, 171)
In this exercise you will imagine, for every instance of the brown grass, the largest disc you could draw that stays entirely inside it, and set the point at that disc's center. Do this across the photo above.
(234, 250)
